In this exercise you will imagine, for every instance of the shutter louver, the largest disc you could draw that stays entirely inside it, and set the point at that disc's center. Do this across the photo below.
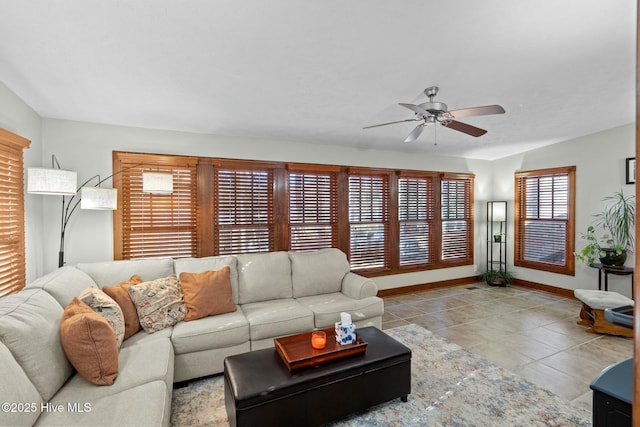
(457, 219)
(369, 222)
(244, 211)
(312, 210)
(415, 216)
(12, 244)
(543, 220)
(154, 225)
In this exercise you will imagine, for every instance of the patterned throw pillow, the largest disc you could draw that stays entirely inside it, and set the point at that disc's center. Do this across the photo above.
(106, 307)
(159, 303)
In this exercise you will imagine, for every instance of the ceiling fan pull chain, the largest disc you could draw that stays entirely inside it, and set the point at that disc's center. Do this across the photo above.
(435, 135)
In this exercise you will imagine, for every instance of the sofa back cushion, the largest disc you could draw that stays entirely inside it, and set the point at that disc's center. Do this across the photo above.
(29, 327)
(64, 284)
(114, 272)
(15, 387)
(212, 263)
(263, 277)
(318, 272)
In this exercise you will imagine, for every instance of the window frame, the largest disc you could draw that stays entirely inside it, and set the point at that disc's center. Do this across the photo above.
(13, 267)
(520, 217)
(205, 207)
(125, 221)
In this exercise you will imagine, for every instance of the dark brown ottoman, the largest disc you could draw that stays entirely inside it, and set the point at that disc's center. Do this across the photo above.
(260, 390)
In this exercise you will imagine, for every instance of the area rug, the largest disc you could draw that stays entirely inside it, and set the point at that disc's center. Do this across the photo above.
(450, 386)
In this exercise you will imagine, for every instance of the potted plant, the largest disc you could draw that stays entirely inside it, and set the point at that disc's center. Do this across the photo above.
(497, 237)
(497, 277)
(612, 236)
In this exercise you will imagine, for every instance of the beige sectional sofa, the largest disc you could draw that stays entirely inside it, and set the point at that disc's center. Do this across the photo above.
(276, 293)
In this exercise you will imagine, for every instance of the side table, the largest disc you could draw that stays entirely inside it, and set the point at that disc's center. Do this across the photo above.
(608, 269)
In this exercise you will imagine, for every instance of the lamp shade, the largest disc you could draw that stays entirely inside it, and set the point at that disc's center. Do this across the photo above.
(157, 182)
(58, 182)
(98, 198)
(499, 211)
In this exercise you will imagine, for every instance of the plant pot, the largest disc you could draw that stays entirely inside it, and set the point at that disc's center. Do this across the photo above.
(612, 258)
(497, 239)
(498, 281)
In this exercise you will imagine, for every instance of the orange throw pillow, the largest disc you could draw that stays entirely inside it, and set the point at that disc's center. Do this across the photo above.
(207, 293)
(120, 294)
(89, 343)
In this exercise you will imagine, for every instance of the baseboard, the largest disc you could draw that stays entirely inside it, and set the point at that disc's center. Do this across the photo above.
(567, 293)
(427, 286)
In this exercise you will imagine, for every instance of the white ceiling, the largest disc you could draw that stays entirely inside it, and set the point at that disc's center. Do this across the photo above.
(318, 71)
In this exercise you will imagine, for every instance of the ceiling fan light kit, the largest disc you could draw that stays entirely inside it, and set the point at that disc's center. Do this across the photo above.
(436, 112)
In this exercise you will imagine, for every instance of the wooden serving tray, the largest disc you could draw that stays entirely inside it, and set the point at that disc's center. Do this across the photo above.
(296, 351)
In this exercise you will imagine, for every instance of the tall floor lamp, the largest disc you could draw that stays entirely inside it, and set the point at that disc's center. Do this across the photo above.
(56, 181)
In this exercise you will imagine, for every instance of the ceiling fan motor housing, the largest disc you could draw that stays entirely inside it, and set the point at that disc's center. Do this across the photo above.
(434, 107)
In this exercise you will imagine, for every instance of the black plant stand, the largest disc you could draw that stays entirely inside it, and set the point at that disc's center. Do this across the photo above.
(496, 237)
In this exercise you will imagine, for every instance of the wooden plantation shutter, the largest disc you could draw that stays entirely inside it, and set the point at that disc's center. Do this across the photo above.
(369, 221)
(312, 209)
(12, 245)
(416, 214)
(243, 210)
(544, 221)
(457, 218)
(155, 225)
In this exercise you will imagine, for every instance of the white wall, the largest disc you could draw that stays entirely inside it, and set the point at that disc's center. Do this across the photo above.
(87, 148)
(600, 171)
(17, 117)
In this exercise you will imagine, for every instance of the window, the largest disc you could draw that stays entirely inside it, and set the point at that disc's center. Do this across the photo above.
(243, 210)
(312, 210)
(457, 218)
(386, 221)
(544, 221)
(12, 245)
(155, 225)
(369, 221)
(416, 207)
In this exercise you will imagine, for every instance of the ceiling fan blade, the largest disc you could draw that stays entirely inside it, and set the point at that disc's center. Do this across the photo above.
(465, 128)
(391, 123)
(415, 109)
(415, 133)
(476, 111)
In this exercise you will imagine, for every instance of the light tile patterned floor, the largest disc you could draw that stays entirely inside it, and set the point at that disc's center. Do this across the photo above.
(531, 333)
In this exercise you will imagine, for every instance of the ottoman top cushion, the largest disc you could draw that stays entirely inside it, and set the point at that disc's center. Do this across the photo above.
(601, 300)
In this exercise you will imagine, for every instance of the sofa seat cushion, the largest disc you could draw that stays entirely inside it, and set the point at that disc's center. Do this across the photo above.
(15, 387)
(318, 272)
(146, 405)
(327, 308)
(29, 327)
(223, 330)
(64, 284)
(270, 319)
(138, 365)
(264, 277)
(141, 338)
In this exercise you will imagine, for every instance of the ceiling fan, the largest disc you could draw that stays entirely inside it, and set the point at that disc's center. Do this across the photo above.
(436, 112)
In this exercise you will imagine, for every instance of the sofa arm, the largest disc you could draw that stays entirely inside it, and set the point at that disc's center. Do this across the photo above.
(358, 287)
